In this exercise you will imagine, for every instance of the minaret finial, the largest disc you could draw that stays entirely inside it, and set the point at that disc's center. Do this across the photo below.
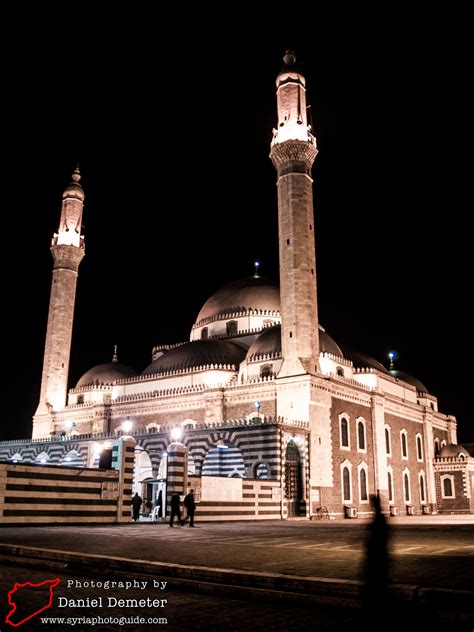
(289, 58)
(256, 266)
(115, 356)
(76, 174)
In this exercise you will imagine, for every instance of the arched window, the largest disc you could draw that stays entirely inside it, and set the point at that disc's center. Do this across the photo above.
(419, 448)
(387, 440)
(346, 484)
(42, 458)
(72, 459)
(344, 424)
(266, 370)
(422, 488)
(406, 487)
(261, 471)
(204, 333)
(447, 486)
(390, 487)
(191, 465)
(361, 435)
(340, 371)
(436, 446)
(80, 399)
(231, 327)
(223, 459)
(404, 444)
(363, 485)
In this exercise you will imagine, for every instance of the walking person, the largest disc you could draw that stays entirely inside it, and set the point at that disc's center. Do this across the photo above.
(190, 505)
(175, 509)
(136, 504)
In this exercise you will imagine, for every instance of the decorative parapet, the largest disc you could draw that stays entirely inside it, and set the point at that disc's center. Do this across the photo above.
(237, 313)
(177, 373)
(338, 359)
(256, 380)
(102, 386)
(165, 392)
(81, 406)
(351, 381)
(459, 460)
(143, 431)
(261, 357)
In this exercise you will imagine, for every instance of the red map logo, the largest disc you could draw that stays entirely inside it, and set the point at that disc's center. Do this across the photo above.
(44, 597)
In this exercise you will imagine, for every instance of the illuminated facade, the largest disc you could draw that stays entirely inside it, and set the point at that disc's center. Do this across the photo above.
(263, 395)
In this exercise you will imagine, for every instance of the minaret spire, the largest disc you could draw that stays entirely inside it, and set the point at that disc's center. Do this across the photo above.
(115, 356)
(67, 248)
(293, 151)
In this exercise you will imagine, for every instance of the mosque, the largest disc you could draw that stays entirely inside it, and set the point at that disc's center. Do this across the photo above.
(275, 419)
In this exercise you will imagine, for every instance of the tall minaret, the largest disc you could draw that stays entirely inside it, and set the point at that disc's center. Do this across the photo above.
(293, 151)
(67, 247)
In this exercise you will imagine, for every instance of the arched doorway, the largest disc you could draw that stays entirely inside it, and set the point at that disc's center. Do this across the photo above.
(293, 482)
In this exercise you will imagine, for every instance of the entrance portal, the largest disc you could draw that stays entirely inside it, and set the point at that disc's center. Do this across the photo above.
(293, 482)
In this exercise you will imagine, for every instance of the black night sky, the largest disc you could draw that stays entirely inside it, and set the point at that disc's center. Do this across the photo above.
(181, 196)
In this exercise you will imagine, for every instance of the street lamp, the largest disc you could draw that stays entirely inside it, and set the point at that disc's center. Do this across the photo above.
(127, 425)
(176, 434)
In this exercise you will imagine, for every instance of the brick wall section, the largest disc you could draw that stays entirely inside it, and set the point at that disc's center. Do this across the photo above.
(459, 504)
(38, 494)
(332, 497)
(399, 464)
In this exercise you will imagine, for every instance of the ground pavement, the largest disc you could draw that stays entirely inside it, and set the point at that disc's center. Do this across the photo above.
(294, 569)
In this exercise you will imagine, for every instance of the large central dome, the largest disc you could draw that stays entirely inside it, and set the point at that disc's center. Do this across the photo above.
(252, 293)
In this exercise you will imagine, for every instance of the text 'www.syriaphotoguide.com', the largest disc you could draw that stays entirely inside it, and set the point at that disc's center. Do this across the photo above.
(72, 621)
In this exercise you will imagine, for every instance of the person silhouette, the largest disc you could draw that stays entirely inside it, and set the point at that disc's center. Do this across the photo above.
(136, 504)
(190, 505)
(175, 505)
(377, 561)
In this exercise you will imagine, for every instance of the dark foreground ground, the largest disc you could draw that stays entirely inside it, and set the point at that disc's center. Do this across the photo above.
(437, 553)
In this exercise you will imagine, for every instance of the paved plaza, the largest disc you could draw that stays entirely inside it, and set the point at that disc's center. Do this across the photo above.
(437, 553)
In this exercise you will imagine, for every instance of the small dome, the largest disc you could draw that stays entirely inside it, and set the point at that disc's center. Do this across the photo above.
(246, 294)
(269, 341)
(362, 361)
(198, 353)
(106, 373)
(453, 450)
(409, 379)
(328, 345)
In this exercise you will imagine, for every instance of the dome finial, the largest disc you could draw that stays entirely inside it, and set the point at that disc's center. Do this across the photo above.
(289, 58)
(256, 266)
(115, 356)
(391, 358)
(76, 174)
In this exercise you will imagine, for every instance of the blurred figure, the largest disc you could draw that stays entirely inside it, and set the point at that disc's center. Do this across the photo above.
(377, 563)
(175, 505)
(190, 505)
(136, 504)
(159, 505)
